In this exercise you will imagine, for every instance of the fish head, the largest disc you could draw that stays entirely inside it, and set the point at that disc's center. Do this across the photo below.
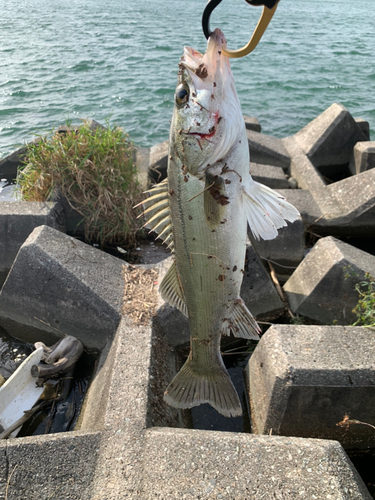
(207, 116)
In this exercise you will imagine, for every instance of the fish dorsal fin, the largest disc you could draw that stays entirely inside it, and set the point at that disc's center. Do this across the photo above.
(157, 212)
(241, 322)
(171, 290)
(215, 199)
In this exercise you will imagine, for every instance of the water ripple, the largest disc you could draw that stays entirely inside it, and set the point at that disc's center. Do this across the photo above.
(96, 59)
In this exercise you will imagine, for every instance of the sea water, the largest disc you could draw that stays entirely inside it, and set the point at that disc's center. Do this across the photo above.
(78, 59)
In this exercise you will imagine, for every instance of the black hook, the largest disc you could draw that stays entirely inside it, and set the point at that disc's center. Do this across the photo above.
(212, 4)
(270, 4)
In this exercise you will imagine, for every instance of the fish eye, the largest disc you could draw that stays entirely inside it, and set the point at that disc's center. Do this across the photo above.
(182, 94)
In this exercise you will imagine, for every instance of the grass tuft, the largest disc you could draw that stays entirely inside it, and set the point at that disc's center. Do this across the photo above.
(365, 308)
(94, 170)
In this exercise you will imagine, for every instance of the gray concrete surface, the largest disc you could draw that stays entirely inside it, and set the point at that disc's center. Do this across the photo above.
(10, 164)
(267, 150)
(59, 285)
(257, 290)
(364, 126)
(322, 288)
(270, 175)
(252, 123)
(218, 465)
(329, 139)
(304, 379)
(301, 168)
(116, 453)
(363, 157)
(286, 251)
(58, 466)
(17, 220)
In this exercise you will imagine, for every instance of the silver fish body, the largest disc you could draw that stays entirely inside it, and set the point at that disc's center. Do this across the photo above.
(202, 210)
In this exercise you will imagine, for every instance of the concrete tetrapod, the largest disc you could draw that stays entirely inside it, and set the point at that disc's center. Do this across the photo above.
(322, 288)
(59, 285)
(304, 380)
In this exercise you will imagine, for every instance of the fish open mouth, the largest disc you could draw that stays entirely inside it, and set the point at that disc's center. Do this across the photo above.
(203, 136)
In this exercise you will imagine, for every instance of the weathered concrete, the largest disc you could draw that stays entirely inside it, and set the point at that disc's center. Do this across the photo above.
(284, 252)
(116, 454)
(363, 157)
(364, 126)
(252, 123)
(10, 164)
(218, 465)
(17, 220)
(267, 150)
(301, 167)
(349, 206)
(141, 158)
(305, 379)
(345, 208)
(330, 138)
(55, 466)
(68, 287)
(323, 286)
(270, 175)
(74, 221)
(258, 291)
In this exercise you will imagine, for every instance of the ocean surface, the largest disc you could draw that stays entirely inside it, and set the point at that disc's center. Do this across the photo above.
(76, 59)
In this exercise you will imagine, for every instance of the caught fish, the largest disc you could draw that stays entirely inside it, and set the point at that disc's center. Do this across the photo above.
(201, 211)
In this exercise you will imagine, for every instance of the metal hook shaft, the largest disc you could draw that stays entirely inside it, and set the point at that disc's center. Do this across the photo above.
(269, 9)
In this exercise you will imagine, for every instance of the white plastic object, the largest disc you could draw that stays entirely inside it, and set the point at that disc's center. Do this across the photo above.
(20, 392)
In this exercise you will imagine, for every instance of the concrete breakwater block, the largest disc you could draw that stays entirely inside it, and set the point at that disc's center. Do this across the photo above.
(305, 380)
(323, 286)
(286, 251)
(345, 208)
(271, 176)
(267, 150)
(17, 220)
(330, 138)
(257, 290)
(363, 157)
(252, 123)
(60, 285)
(221, 465)
(115, 452)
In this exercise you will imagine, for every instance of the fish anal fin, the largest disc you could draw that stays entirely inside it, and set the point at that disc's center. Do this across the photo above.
(193, 387)
(215, 199)
(241, 322)
(171, 290)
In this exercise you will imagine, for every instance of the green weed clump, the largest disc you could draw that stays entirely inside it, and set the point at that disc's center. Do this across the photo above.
(365, 309)
(94, 170)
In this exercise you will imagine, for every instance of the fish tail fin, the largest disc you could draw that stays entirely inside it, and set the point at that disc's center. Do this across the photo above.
(193, 386)
(266, 210)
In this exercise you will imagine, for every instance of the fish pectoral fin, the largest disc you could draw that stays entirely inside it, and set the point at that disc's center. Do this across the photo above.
(215, 199)
(241, 322)
(193, 387)
(171, 290)
(266, 211)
